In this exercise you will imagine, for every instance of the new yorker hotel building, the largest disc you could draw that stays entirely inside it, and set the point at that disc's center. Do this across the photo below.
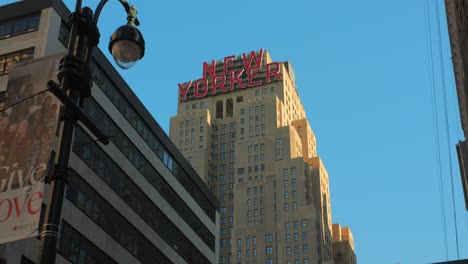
(136, 200)
(244, 130)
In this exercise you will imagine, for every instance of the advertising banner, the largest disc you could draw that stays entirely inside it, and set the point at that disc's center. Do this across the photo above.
(27, 136)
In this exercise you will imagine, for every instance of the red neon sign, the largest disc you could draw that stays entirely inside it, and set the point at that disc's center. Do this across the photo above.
(252, 64)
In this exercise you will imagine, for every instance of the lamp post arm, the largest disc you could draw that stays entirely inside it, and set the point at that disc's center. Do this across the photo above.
(131, 11)
(98, 10)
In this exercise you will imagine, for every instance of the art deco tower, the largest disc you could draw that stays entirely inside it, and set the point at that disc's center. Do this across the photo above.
(243, 128)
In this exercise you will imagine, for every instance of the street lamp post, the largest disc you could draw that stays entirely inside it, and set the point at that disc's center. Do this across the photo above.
(127, 47)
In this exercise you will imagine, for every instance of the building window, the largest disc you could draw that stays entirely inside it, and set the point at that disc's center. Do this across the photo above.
(279, 152)
(304, 235)
(77, 249)
(268, 250)
(219, 110)
(229, 107)
(293, 171)
(7, 60)
(285, 172)
(19, 26)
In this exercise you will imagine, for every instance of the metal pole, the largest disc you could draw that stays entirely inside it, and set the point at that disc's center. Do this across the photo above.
(59, 179)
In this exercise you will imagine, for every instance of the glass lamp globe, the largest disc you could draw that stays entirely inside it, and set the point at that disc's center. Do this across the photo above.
(126, 53)
(127, 46)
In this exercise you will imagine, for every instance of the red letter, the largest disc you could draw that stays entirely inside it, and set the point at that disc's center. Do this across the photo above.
(31, 211)
(228, 62)
(18, 210)
(197, 86)
(251, 76)
(184, 90)
(10, 208)
(235, 78)
(258, 60)
(220, 85)
(275, 73)
(207, 69)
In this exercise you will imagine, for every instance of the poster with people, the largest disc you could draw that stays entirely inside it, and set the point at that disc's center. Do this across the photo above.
(28, 131)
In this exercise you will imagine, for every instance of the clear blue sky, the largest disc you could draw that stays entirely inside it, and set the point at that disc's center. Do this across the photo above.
(362, 72)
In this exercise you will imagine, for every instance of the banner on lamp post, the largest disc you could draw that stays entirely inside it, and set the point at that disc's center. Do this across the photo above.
(27, 137)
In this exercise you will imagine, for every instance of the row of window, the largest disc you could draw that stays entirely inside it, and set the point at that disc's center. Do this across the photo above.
(296, 236)
(224, 127)
(293, 192)
(255, 212)
(251, 169)
(286, 171)
(255, 148)
(190, 132)
(7, 60)
(223, 220)
(194, 106)
(257, 108)
(118, 98)
(19, 26)
(287, 224)
(255, 190)
(83, 196)
(131, 194)
(251, 119)
(286, 183)
(224, 137)
(222, 197)
(223, 146)
(264, 91)
(188, 122)
(251, 129)
(147, 170)
(223, 177)
(296, 249)
(77, 249)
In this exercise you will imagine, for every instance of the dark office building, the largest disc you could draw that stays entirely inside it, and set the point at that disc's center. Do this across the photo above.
(136, 200)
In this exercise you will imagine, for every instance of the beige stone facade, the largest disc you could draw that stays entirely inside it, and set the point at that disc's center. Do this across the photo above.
(255, 149)
(343, 245)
